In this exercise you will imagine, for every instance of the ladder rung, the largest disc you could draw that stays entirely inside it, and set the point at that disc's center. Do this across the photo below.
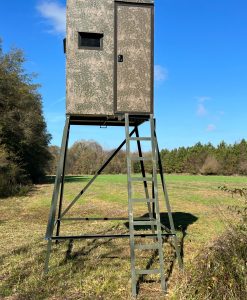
(141, 158)
(149, 222)
(147, 246)
(146, 272)
(140, 139)
(141, 219)
(143, 200)
(140, 179)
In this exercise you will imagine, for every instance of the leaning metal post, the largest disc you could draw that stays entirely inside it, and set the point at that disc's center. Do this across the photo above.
(52, 215)
(62, 186)
(180, 262)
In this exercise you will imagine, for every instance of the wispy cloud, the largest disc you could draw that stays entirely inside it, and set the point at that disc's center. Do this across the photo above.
(201, 108)
(211, 127)
(55, 117)
(58, 101)
(54, 14)
(202, 99)
(160, 73)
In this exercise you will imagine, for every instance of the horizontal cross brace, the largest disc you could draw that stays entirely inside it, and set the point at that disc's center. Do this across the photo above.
(95, 219)
(102, 219)
(146, 272)
(144, 222)
(107, 236)
(140, 139)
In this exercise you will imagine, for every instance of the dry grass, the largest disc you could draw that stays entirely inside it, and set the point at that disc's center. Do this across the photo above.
(100, 269)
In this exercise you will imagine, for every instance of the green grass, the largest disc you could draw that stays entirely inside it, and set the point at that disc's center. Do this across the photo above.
(100, 269)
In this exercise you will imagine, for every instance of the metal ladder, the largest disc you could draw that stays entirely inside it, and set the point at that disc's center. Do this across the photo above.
(154, 216)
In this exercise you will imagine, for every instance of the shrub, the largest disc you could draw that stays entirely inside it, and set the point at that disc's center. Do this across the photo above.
(210, 166)
(219, 272)
(12, 176)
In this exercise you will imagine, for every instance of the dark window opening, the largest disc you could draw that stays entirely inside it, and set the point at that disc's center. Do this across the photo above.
(90, 40)
(64, 46)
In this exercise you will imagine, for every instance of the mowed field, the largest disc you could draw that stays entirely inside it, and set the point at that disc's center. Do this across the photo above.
(100, 269)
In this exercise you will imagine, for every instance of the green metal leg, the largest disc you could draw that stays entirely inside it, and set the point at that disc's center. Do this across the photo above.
(62, 186)
(58, 180)
(157, 209)
(169, 211)
(47, 259)
(130, 210)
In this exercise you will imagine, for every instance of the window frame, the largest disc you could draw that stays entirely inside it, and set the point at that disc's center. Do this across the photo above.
(80, 38)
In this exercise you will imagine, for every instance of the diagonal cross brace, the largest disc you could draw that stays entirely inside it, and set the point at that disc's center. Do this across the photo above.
(96, 175)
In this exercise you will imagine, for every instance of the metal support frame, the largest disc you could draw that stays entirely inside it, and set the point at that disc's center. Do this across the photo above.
(62, 184)
(168, 206)
(157, 210)
(58, 192)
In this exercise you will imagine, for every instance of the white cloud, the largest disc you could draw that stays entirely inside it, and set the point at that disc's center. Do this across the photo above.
(55, 15)
(160, 73)
(211, 127)
(201, 108)
(202, 99)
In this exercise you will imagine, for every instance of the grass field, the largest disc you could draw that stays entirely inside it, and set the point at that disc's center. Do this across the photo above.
(100, 269)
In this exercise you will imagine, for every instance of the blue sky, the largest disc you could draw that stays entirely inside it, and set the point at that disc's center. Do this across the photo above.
(200, 68)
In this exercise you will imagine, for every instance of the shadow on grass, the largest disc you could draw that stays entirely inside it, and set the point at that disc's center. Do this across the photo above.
(181, 222)
(69, 178)
(90, 246)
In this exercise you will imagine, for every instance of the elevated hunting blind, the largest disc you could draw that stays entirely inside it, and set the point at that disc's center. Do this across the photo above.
(109, 70)
(109, 58)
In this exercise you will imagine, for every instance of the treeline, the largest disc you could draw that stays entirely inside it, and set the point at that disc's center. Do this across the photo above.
(24, 153)
(85, 157)
(224, 159)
